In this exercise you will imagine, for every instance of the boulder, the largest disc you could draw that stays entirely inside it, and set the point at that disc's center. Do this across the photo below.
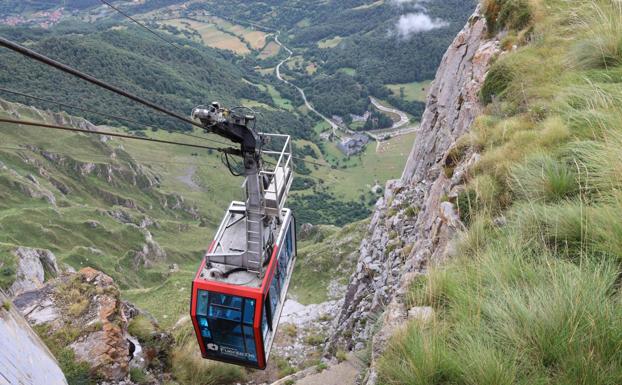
(32, 264)
(422, 314)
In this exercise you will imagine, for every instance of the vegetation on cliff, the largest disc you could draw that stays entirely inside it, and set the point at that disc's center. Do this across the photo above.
(532, 295)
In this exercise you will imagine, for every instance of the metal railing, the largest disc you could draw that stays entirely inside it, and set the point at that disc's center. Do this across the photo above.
(277, 146)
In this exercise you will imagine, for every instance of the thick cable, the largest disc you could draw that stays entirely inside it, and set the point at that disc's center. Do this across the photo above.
(232, 151)
(105, 115)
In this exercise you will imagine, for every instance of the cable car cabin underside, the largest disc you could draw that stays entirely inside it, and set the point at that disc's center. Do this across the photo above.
(236, 312)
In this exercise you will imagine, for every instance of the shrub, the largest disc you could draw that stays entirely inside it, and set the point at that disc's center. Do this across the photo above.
(314, 339)
(341, 356)
(416, 357)
(411, 211)
(76, 373)
(512, 14)
(189, 368)
(141, 327)
(289, 329)
(466, 204)
(78, 308)
(600, 163)
(283, 366)
(138, 376)
(497, 82)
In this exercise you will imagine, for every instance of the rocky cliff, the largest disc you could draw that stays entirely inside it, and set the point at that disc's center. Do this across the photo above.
(414, 223)
(24, 358)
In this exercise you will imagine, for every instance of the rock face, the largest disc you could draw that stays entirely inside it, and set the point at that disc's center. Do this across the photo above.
(28, 362)
(87, 302)
(31, 267)
(413, 224)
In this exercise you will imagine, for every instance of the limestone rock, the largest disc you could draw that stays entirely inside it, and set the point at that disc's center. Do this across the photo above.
(423, 314)
(150, 253)
(31, 267)
(412, 226)
(25, 360)
(87, 301)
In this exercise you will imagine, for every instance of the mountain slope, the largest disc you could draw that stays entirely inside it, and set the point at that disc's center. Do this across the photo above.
(512, 274)
(88, 200)
(178, 78)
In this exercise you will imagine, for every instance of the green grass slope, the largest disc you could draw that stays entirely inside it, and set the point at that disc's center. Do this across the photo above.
(96, 203)
(535, 300)
(326, 254)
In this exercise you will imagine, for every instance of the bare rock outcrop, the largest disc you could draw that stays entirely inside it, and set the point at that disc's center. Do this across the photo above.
(414, 223)
(32, 264)
(24, 360)
(87, 304)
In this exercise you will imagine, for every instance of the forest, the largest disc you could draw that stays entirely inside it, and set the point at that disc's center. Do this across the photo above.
(179, 79)
(368, 53)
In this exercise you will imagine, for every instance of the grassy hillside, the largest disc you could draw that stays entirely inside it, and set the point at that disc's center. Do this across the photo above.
(533, 294)
(134, 60)
(325, 254)
(98, 204)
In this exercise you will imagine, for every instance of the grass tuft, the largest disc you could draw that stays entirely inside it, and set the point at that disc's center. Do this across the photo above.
(543, 178)
(602, 45)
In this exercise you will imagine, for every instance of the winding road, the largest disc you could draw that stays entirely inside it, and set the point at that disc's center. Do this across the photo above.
(404, 120)
(333, 125)
(403, 117)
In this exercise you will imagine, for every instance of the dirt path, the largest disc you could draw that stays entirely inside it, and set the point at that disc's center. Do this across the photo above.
(187, 178)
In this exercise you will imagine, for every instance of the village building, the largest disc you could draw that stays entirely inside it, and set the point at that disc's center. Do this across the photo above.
(353, 145)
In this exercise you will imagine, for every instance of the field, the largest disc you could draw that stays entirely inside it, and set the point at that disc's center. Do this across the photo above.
(212, 36)
(330, 43)
(311, 68)
(348, 71)
(417, 91)
(363, 171)
(280, 101)
(270, 50)
(221, 34)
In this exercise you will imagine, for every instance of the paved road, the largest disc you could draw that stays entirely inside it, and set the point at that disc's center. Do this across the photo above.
(333, 125)
(403, 117)
(379, 138)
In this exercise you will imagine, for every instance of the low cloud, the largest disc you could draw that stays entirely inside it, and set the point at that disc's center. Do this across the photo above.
(403, 3)
(413, 23)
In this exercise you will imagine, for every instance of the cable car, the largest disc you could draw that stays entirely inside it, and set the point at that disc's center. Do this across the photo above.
(240, 287)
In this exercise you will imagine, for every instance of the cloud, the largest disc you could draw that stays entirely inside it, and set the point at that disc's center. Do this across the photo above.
(403, 3)
(413, 23)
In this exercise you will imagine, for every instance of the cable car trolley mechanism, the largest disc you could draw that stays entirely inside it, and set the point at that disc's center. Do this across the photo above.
(240, 288)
